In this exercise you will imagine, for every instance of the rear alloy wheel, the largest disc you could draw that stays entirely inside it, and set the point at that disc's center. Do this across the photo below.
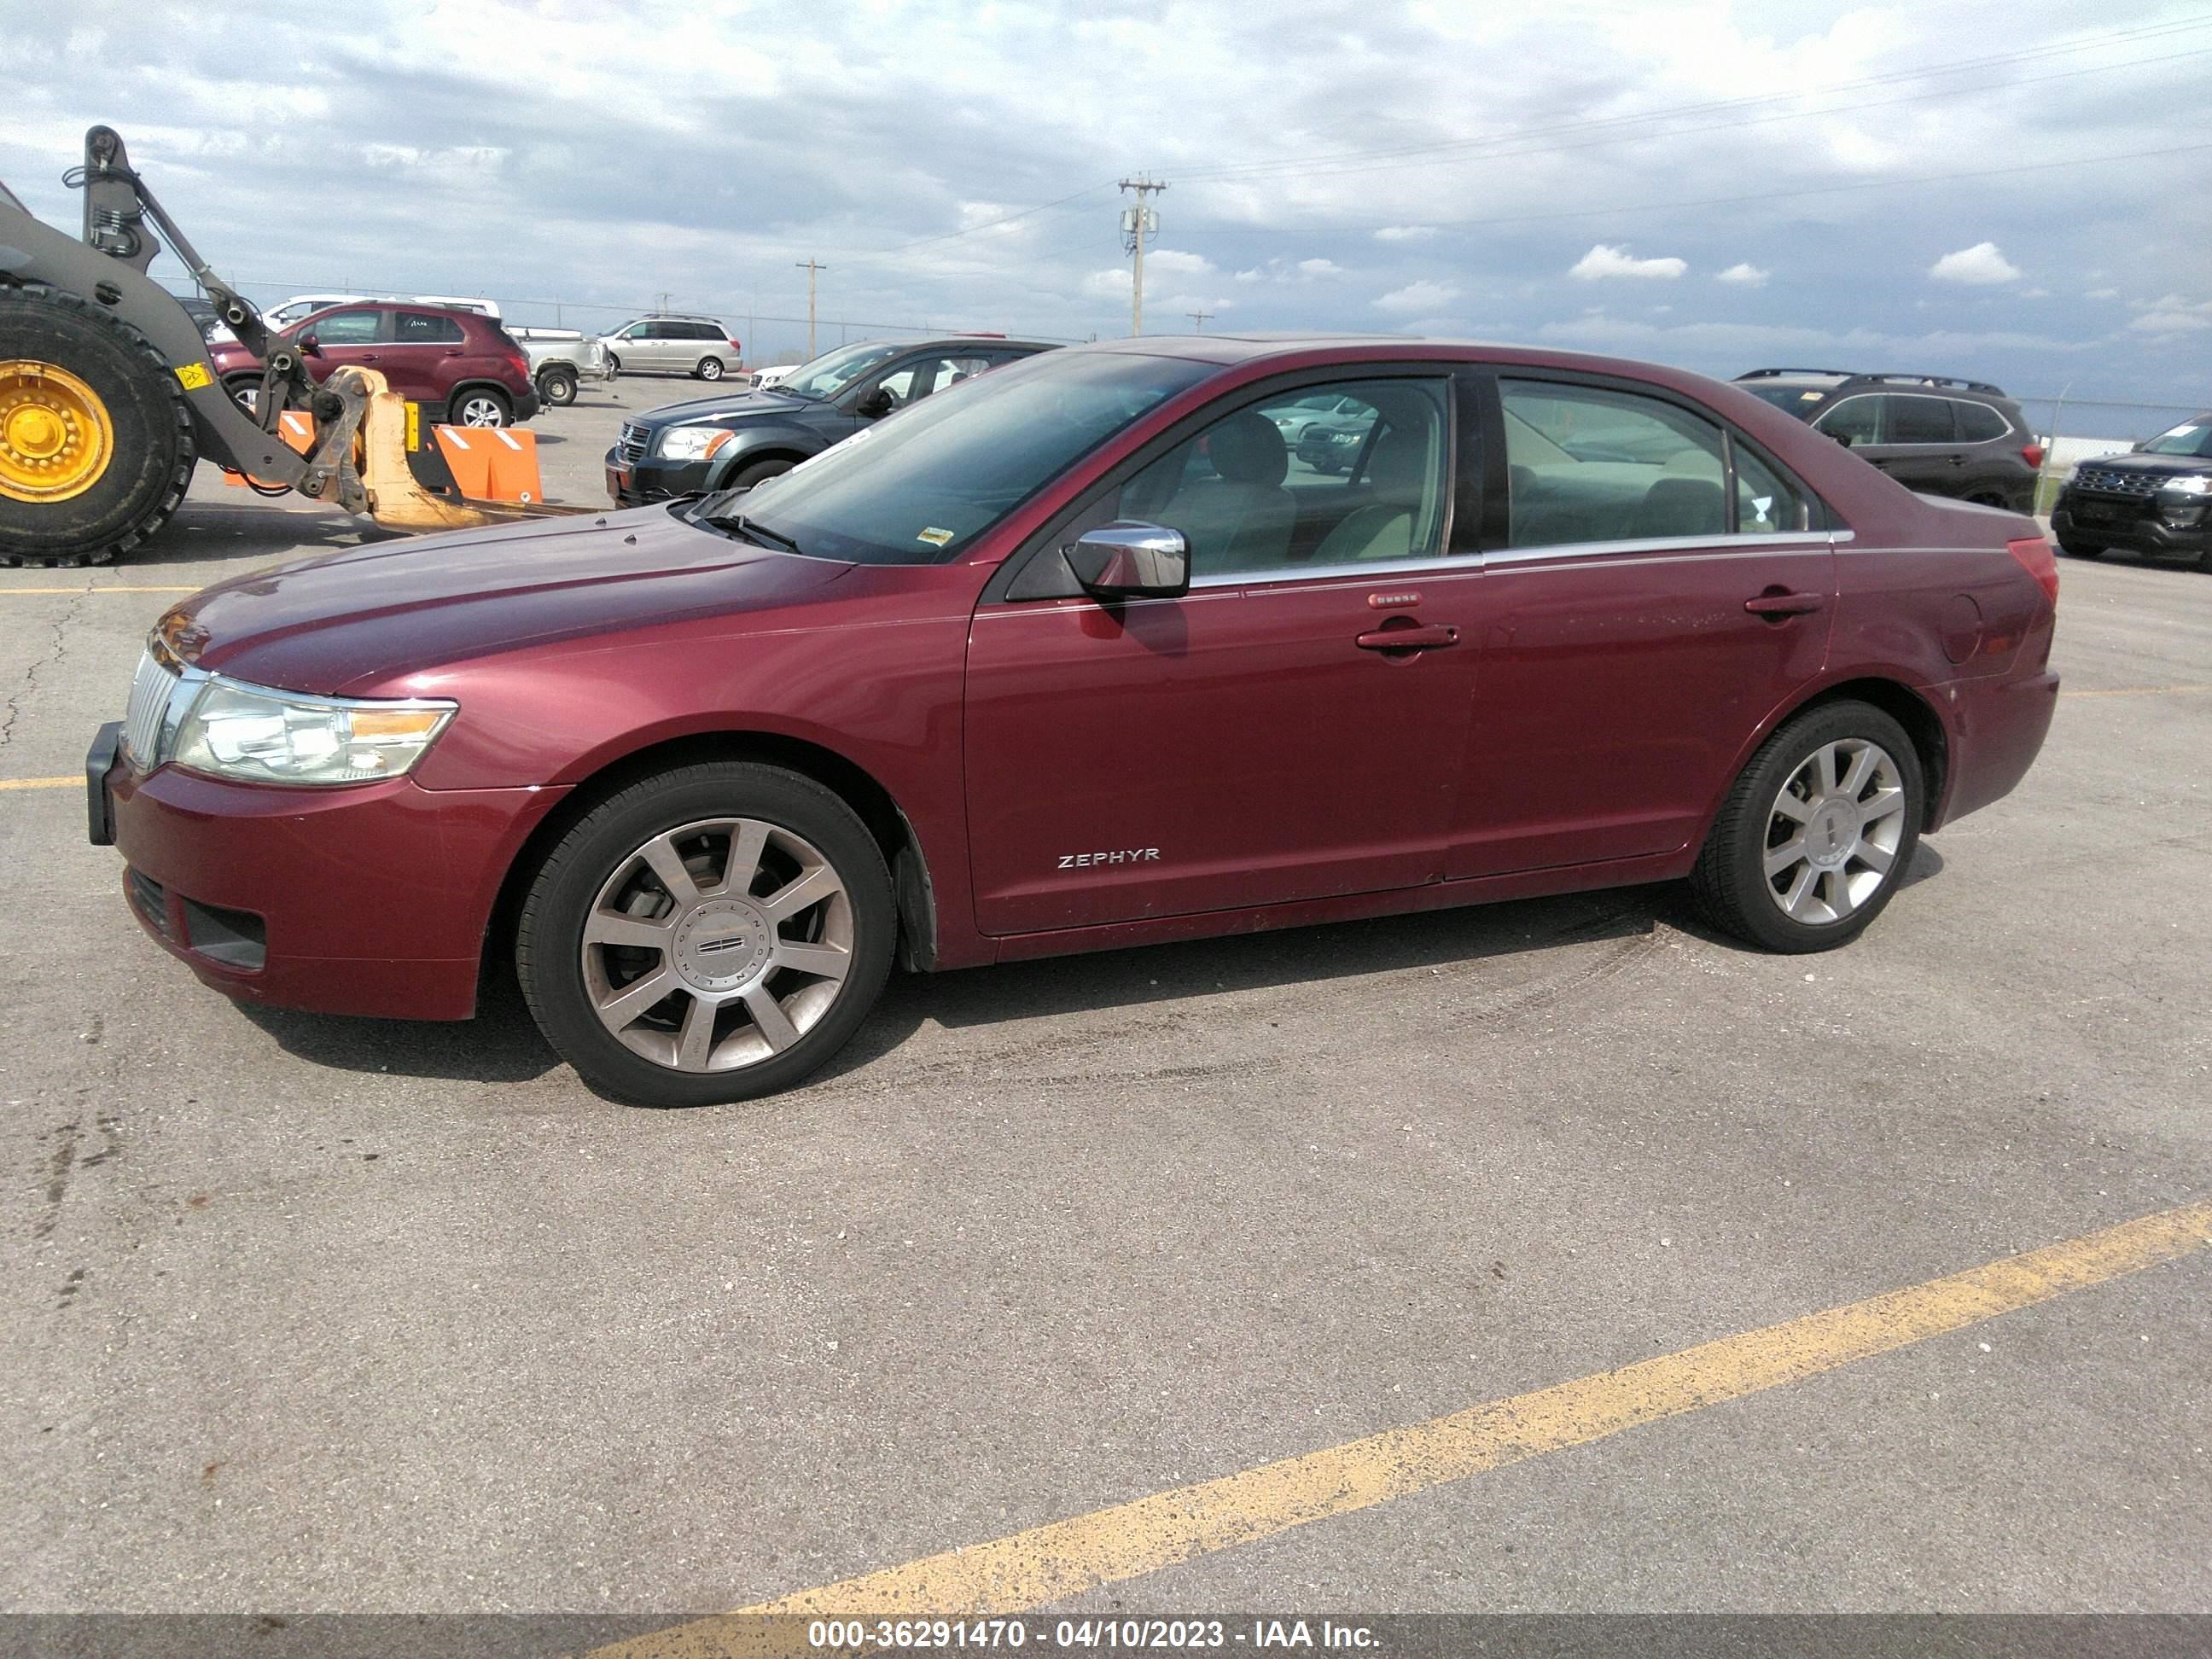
(1817, 832)
(710, 934)
(480, 406)
(710, 368)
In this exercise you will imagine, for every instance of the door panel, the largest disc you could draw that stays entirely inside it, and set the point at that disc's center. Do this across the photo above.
(1616, 689)
(1235, 747)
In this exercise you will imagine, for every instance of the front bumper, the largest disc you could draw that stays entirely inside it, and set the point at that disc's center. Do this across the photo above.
(636, 483)
(371, 899)
(2130, 528)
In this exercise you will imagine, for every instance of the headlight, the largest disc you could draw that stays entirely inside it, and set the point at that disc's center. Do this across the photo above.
(242, 732)
(2195, 486)
(692, 443)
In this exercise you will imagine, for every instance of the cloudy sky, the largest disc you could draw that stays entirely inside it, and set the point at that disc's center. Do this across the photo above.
(1897, 187)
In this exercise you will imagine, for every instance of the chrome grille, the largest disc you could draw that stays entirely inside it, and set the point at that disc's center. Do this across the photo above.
(634, 439)
(2110, 481)
(150, 691)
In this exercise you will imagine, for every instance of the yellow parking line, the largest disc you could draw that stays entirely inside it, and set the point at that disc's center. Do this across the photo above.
(2143, 691)
(103, 589)
(1042, 1565)
(42, 783)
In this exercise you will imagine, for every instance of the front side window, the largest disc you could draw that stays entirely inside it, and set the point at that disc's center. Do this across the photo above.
(920, 488)
(1364, 483)
(1856, 421)
(833, 371)
(344, 328)
(1588, 464)
(425, 328)
(1920, 420)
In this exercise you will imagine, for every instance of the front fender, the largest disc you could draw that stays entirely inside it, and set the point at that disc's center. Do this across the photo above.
(772, 441)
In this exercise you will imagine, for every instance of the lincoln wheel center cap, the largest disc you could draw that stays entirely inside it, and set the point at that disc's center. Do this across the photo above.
(1832, 831)
(723, 944)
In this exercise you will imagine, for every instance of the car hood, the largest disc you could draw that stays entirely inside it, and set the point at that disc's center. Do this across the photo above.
(728, 410)
(2156, 466)
(345, 623)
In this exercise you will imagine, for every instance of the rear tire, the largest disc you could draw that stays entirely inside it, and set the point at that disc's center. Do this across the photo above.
(557, 386)
(150, 444)
(1851, 841)
(709, 368)
(602, 921)
(481, 405)
(614, 365)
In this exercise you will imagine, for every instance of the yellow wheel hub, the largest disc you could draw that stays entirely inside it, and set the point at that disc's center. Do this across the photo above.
(55, 437)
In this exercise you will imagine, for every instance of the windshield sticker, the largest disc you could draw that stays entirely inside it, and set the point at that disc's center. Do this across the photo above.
(934, 537)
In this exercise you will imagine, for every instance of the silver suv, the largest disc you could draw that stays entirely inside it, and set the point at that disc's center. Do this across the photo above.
(669, 344)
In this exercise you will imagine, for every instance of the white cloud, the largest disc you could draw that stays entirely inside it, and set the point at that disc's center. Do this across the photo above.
(1108, 284)
(1980, 264)
(2102, 294)
(1746, 274)
(1316, 269)
(2172, 314)
(1254, 274)
(1607, 260)
(1418, 297)
(1172, 262)
(1406, 234)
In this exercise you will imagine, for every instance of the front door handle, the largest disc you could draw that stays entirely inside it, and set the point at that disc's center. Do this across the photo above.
(1784, 604)
(1426, 637)
(1958, 460)
(366, 357)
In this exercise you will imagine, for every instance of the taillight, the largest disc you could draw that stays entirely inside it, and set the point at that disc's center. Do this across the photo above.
(735, 347)
(2033, 454)
(2037, 559)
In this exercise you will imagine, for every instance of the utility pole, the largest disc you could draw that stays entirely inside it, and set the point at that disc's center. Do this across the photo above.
(809, 268)
(1198, 317)
(1137, 224)
(664, 299)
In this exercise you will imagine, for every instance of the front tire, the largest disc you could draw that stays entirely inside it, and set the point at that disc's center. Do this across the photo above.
(1816, 833)
(711, 934)
(2081, 549)
(96, 441)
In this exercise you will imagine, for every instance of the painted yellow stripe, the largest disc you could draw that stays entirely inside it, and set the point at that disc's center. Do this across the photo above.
(104, 589)
(2144, 691)
(1032, 1568)
(42, 783)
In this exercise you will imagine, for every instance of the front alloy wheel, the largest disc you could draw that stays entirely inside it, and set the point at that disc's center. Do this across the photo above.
(711, 934)
(1816, 832)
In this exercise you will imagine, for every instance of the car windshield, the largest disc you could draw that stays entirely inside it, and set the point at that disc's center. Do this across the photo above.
(833, 371)
(2191, 438)
(1790, 399)
(923, 485)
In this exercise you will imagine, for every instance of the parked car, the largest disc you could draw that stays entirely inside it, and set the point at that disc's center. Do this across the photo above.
(205, 313)
(561, 359)
(459, 361)
(1937, 435)
(1013, 675)
(2155, 500)
(286, 312)
(698, 346)
(774, 374)
(739, 439)
(1322, 406)
(1333, 444)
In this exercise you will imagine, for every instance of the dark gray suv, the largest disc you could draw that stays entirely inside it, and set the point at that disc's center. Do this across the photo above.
(1932, 433)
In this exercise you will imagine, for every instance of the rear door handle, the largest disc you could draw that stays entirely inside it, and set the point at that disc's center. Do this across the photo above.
(1426, 638)
(1784, 604)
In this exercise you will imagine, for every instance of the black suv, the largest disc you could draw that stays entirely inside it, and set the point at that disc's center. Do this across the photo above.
(733, 441)
(2155, 500)
(1939, 436)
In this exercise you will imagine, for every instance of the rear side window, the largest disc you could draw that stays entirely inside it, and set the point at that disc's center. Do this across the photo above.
(1978, 423)
(705, 332)
(1588, 464)
(425, 328)
(1921, 420)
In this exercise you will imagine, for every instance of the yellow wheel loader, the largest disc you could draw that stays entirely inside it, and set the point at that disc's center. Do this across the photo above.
(107, 399)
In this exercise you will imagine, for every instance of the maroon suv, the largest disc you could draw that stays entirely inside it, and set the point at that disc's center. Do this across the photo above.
(460, 362)
(1077, 655)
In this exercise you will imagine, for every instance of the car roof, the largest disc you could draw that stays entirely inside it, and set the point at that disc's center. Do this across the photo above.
(1836, 378)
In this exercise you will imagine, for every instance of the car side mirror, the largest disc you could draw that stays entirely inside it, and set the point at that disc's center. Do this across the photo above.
(1131, 561)
(311, 346)
(880, 402)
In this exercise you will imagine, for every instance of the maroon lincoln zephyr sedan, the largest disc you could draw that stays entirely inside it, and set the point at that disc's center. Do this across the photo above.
(1078, 655)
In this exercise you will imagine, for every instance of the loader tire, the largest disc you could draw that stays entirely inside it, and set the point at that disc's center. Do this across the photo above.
(124, 432)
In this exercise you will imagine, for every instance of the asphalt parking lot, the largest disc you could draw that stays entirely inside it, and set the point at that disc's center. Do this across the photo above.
(310, 1313)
